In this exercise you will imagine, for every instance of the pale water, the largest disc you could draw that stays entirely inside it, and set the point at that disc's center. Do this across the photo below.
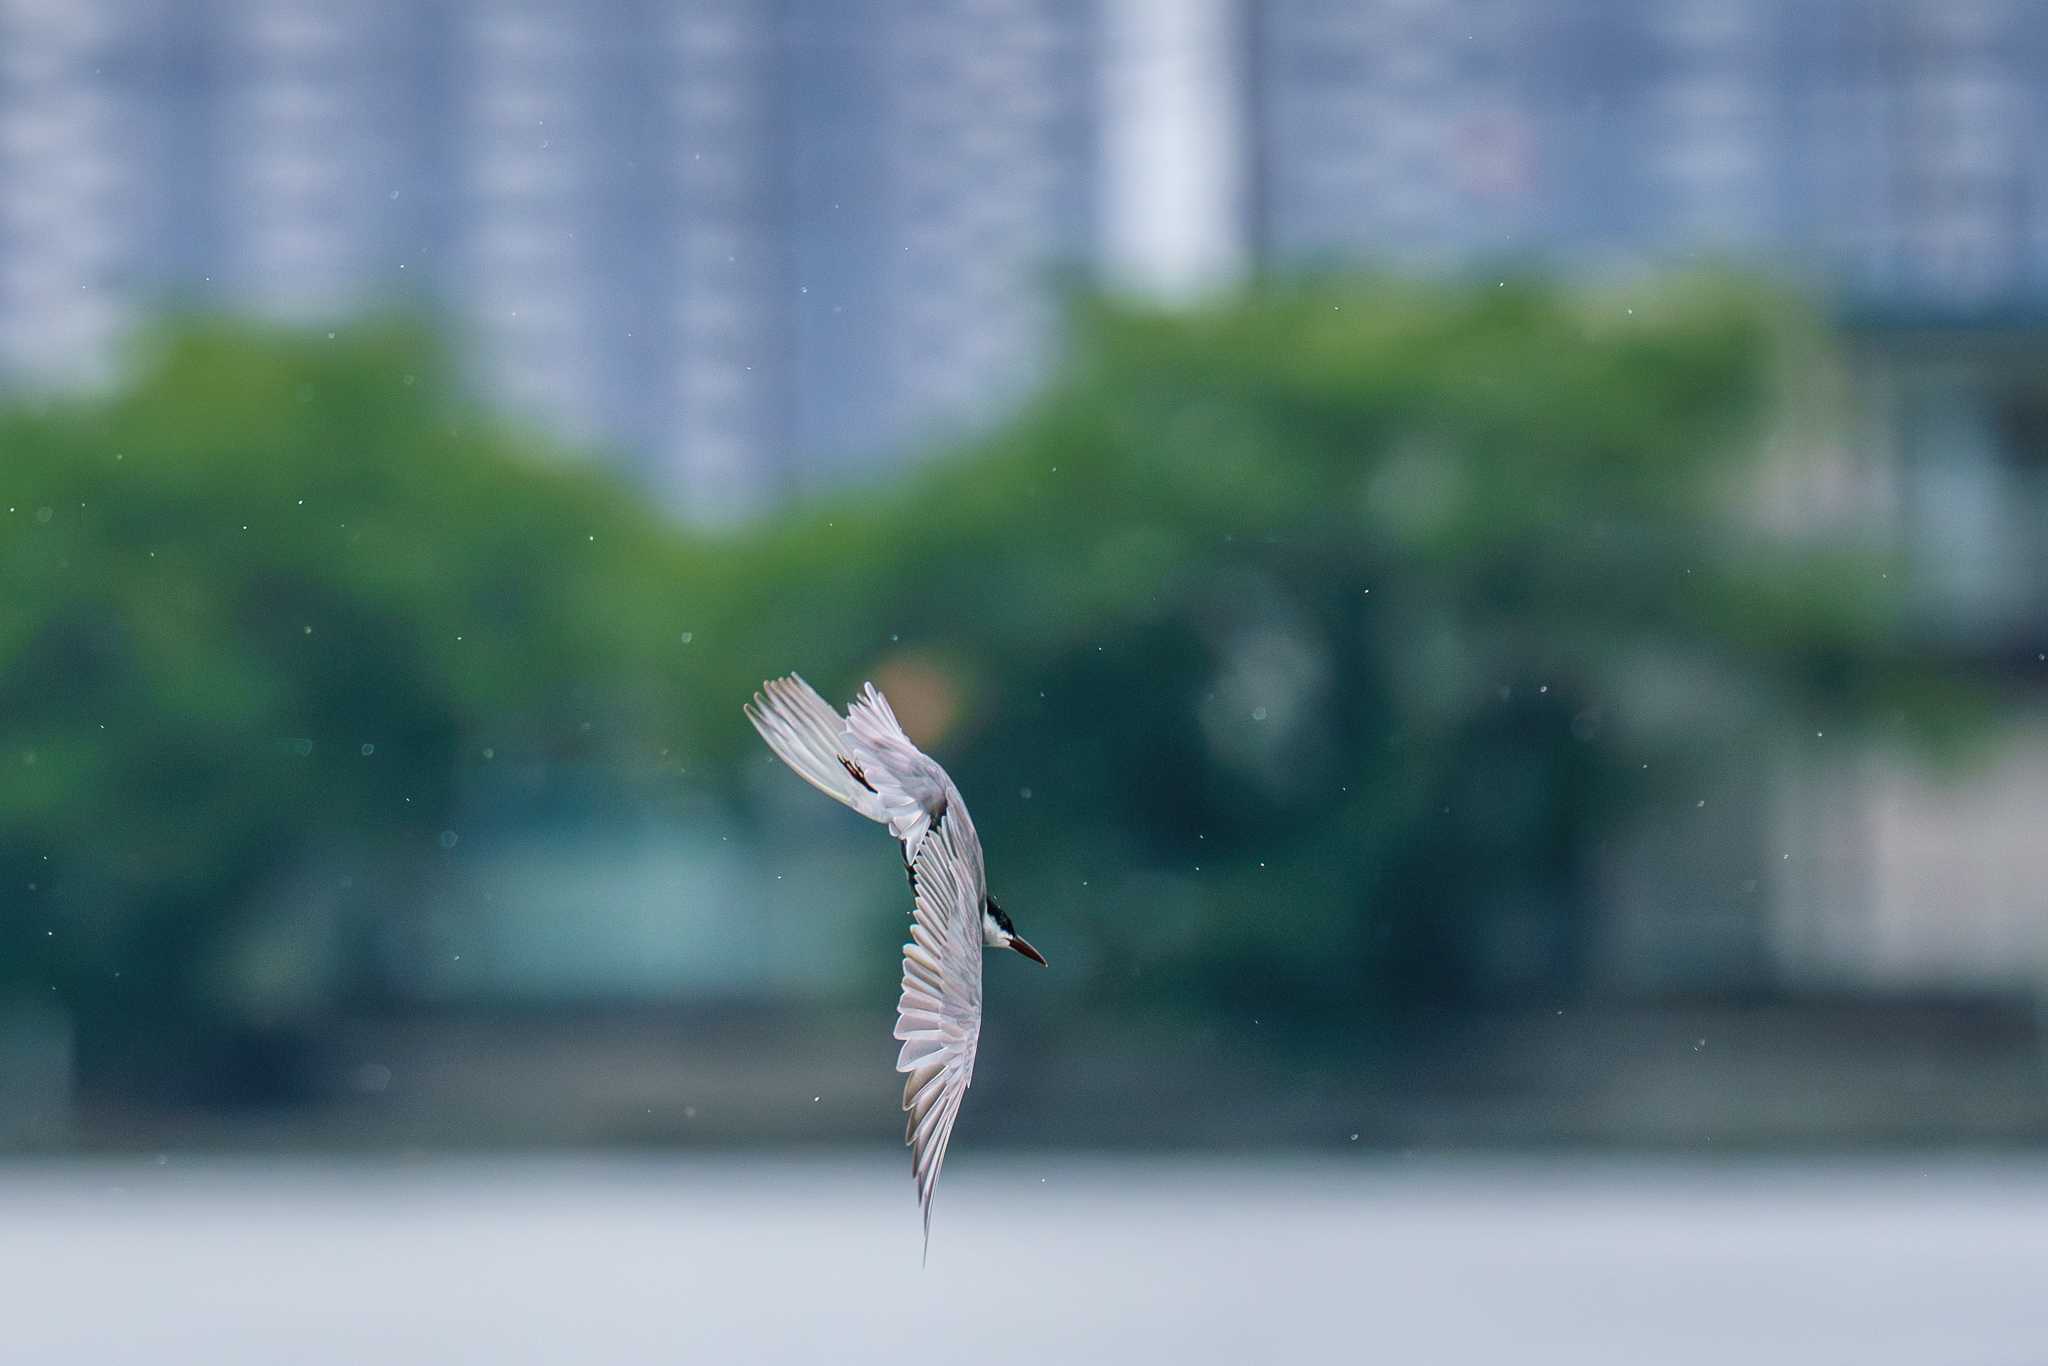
(1034, 1259)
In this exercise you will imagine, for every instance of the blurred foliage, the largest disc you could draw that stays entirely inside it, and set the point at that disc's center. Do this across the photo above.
(1300, 644)
(1336, 629)
(267, 603)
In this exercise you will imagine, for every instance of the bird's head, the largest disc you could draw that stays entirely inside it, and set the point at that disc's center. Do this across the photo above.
(998, 933)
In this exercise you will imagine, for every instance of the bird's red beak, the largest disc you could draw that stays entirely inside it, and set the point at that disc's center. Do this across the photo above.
(1023, 946)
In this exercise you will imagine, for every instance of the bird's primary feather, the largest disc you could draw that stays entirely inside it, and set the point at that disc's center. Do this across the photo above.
(810, 737)
(938, 1016)
(862, 759)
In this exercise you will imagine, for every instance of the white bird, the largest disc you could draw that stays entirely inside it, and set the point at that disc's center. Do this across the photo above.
(864, 760)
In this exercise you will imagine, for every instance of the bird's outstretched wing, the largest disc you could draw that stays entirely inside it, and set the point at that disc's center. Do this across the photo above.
(914, 792)
(862, 759)
(811, 738)
(938, 1017)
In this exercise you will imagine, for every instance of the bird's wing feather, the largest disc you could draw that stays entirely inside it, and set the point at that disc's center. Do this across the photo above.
(810, 737)
(938, 1017)
(913, 792)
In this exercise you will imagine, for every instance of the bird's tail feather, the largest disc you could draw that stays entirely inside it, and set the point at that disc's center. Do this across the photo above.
(807, 734)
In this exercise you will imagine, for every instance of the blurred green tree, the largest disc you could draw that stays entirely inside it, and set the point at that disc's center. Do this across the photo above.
(1289, 647)
(1334, 628)
(269, 603)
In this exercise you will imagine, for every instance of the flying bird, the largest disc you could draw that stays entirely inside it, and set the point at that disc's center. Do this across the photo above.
(865, 761)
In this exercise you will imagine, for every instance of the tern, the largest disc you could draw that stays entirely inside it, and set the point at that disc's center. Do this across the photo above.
(865, 761)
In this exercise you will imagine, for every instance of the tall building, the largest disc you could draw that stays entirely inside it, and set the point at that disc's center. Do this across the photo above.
(736, 245)
(938, 174)
(747, 247)
(73, 218)
(1884, 149)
